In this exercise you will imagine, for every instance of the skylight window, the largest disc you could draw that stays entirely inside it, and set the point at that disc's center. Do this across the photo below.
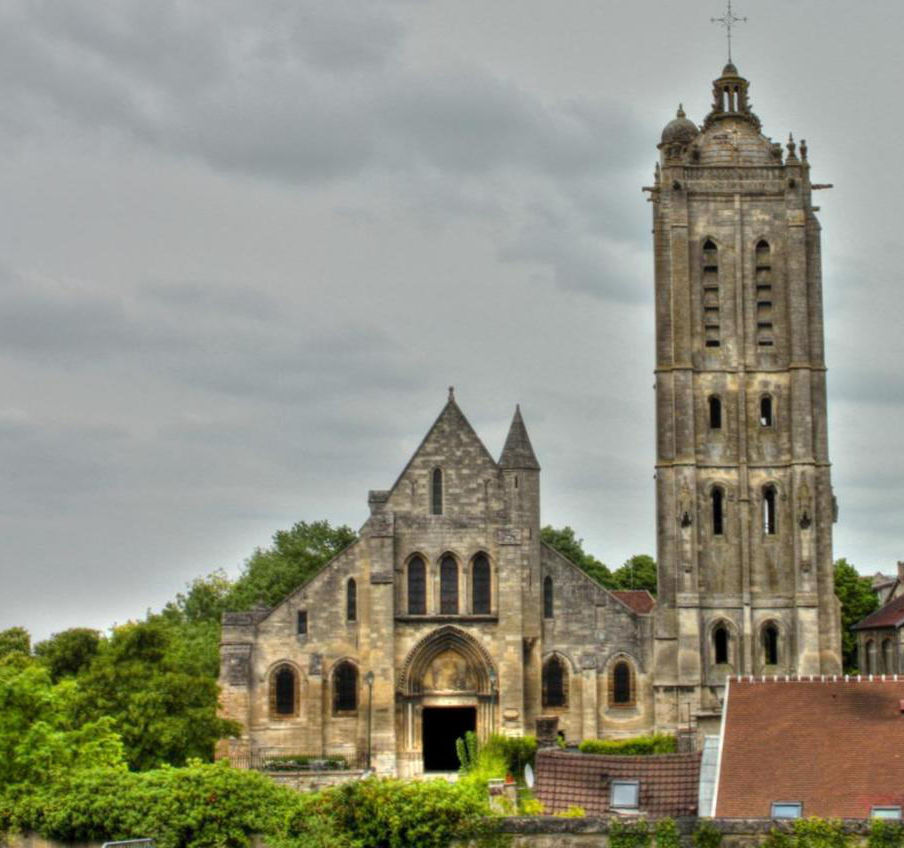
(885, 813)
(625, 794)
(786, 809)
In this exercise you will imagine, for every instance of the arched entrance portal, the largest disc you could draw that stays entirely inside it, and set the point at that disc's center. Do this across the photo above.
(446, 687)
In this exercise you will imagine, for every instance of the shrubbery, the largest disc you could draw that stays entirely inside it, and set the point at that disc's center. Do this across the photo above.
(657, 743)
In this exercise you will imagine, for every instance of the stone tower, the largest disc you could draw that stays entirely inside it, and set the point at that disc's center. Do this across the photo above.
(744, 497)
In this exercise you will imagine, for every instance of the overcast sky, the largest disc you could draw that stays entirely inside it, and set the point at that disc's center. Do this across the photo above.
(246, 246)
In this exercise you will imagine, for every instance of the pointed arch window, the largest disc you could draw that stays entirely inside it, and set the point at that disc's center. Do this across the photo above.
(766, 411)
(448, 586)
(480, 585)
(765, 330)
(436, 492)
(769, 514)
(555, 683)
(345, 688)
(351, 600)
(283, 692)
(548, 608)
(720, 644)
(621, 684)
(770, 644)
(718, 503)
(715, 413)
(712, 333)
(417, 586)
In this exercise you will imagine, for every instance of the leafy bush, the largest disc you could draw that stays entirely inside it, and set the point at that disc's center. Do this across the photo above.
(810, 833)
(707, 835)
(667, 835)
(517, 751)
(885, 834)
(466, 749)
(657, 743)
(629, 834)
(531, 807)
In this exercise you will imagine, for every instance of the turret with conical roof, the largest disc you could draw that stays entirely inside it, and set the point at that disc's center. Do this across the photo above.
(517, 451)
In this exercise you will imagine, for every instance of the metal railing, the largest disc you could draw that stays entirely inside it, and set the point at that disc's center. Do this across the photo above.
(279, 760)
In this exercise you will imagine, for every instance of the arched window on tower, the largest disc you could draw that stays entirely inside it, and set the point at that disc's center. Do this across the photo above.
(765, 335)
(715, 413)
(548, 607)
(711, 303)
(417, 586)
(436, 492)
(283, 692)
(770, 644)
(766, 411)
(769, 516)
(621, 685)
(448, 586)
(718, 502)
(720, 644)
(555, 683)
(351, 600)
(480, 585)
(345, 688)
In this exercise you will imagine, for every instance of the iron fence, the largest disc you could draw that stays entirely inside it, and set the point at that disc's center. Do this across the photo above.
(280, 760)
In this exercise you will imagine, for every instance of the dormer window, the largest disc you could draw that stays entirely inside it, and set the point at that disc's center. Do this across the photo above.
(786, 810)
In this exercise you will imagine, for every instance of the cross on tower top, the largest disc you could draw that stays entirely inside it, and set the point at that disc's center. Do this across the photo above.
(728, 20)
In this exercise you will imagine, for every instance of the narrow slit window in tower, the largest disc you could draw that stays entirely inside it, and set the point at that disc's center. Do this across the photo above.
(718, 497)
(769, 510)
(417, 587)
(448, 586)
(765, 411)
(351, 600)
(480, 585)
(715, 413)
(436, 502)
(770, 644)
(720, 644)
(547, 598)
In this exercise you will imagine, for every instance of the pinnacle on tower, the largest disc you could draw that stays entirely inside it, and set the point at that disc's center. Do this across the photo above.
(517, 452)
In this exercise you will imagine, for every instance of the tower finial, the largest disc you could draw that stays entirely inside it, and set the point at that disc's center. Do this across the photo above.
(728, 20)
(451, 393)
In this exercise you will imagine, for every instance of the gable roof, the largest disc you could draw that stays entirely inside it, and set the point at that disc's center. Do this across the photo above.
(640, 600)
(451, 413)
(891, 615)
(836, 744)
(517, 451)
(668, 782)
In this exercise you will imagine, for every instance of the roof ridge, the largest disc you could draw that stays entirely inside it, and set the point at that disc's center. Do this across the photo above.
(818, 678)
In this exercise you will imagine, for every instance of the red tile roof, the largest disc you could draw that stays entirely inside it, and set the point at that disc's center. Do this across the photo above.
(836, 746)
(668, 782)
(891, 615)
(639, 600)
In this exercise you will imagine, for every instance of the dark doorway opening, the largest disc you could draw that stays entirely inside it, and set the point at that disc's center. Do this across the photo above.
(442, 726)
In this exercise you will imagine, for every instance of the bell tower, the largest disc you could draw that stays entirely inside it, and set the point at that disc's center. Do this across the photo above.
(744, 497)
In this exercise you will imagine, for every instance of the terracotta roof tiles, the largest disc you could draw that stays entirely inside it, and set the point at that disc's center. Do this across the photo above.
(891, 615)
(639, 600)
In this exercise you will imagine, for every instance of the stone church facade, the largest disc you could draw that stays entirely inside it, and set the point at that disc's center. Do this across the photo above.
(449, 613)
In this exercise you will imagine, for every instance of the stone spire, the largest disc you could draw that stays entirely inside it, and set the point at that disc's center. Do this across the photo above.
(517, 452)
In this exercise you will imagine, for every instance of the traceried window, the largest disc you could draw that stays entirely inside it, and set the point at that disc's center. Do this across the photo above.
(283, 691)
(765, 331)
(769, 516)
(621, 684)
(417, 586)
(718, 501)
(720, 644)
(715, 413)
(555, 683)
(770, 644)
(548, 608)
(712, 333)
(480, 585)
(345, 688)
(351, 600)
(448, 586)
(436, 492)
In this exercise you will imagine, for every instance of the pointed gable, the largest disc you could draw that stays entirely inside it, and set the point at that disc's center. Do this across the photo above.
(518, 452)
(454, 448)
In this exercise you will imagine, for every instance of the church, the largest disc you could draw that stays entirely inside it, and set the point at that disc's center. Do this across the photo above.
(449, 614)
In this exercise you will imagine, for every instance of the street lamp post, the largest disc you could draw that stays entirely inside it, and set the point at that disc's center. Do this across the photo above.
(369, 680)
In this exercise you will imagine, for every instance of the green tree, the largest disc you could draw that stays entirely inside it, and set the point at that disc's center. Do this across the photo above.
(66, 654)
(857, 601)
(295, 556)
(563, 539)
(639, 572)
(15, 640)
